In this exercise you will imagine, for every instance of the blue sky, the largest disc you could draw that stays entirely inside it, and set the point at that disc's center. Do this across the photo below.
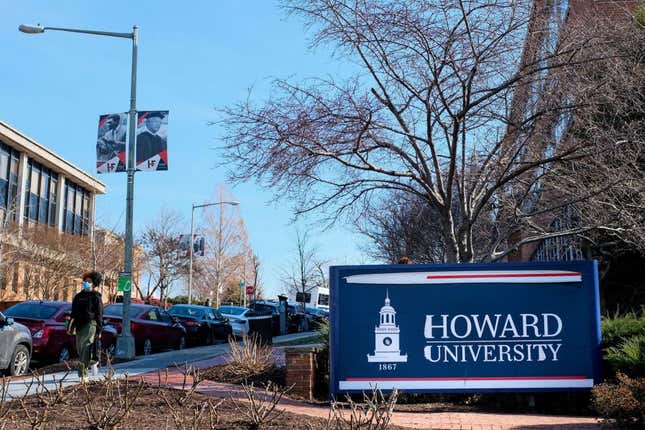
(193, 56)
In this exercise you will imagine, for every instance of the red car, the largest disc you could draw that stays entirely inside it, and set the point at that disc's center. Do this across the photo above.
(152, 327)
(46, 322)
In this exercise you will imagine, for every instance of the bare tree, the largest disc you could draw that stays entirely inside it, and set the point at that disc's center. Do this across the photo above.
(304, 274)
(165, 263)
(402, 226)
(107, 250)
(50, 260)
(258, 291)
(448, 106)
(227, 259)
(8, 236)
(614, 124)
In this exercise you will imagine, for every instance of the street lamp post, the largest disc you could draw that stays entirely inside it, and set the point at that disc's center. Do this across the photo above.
(125, 341)
(191, 250)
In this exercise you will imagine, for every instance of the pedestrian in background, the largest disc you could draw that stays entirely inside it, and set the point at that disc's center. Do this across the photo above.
(87, 320)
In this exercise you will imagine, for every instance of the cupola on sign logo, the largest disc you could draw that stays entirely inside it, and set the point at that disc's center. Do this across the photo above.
(386, 337)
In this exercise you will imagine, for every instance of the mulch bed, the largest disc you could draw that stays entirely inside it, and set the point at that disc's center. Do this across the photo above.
(150, 411)
(225, 373)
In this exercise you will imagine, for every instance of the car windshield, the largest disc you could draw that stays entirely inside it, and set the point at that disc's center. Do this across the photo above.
(116, 310)
(231, 310)
(31, 310)
(186, 311)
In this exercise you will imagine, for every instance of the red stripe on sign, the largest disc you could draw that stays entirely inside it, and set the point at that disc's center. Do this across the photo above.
(499, 378)
(509, 275)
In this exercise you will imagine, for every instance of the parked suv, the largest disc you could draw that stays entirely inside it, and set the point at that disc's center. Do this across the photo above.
(15, 346)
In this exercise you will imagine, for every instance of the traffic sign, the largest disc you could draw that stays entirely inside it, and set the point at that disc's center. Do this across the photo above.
(249, 289)
(124, 282)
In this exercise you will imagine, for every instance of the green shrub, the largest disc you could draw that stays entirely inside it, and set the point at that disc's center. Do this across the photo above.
(639, 14)
(321, 375)
(629, 356)
(623, 402)
(620, 328)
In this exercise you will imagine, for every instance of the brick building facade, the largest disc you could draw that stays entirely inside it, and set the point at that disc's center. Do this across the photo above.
(39, 190)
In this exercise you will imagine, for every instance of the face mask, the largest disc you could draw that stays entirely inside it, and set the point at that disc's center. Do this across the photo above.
(86, 286)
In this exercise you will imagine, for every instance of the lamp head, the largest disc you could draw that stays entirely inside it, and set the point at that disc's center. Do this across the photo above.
(31, 29)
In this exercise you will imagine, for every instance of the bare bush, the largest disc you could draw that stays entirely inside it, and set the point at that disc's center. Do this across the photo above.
(48, 399)
(119, 396)
(192, 379)
(250, 357)
(374, 413)
(192, 421)
(260, 407)
(203, 415)
(5, 409)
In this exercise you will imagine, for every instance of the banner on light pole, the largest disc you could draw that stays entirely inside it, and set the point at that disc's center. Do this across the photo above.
(152, 140)
(199, 245)
(110, 143)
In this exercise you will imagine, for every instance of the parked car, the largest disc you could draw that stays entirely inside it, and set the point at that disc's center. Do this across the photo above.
(46, 322)
(296, 320)
(15, 346)
(316, 317)
(237, 317)
(152, 327)
(204, 325)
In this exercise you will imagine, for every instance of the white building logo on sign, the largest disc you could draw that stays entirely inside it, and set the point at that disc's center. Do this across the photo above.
(386, 337)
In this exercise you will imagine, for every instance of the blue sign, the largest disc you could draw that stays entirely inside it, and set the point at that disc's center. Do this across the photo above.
(465, 327)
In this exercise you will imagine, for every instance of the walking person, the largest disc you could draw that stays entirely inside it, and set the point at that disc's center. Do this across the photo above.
(87, 320)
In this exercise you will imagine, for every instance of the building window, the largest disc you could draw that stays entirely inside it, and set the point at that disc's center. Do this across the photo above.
(76, 210)
(38, 195)
(561, 248)
(14, 280)
(27, 275)
(323, 299)
(9, 162)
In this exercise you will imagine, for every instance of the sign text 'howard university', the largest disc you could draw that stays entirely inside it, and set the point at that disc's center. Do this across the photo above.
(465, 327)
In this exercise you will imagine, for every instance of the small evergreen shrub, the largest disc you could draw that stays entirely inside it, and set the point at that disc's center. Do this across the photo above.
(617, 329)
(629, 356)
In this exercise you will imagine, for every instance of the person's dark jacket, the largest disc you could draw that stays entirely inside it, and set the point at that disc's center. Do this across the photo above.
(87, 306)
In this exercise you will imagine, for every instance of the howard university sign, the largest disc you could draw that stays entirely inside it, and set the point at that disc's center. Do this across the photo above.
(424, 328)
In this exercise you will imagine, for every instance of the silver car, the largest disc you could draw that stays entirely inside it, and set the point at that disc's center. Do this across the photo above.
(237, 317)
(15, 347)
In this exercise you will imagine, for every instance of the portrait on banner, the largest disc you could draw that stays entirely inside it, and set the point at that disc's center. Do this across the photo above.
(152, 140)
(110, 144)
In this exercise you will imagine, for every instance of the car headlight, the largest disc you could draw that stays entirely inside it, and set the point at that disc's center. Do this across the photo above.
(39, 334)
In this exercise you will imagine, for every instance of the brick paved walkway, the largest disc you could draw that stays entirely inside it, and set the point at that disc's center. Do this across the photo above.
(435, 420)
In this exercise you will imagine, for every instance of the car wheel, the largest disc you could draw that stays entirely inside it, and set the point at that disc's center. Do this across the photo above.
(19, 361)
(147, 347)
(182, 343)
(64, 354)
